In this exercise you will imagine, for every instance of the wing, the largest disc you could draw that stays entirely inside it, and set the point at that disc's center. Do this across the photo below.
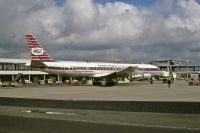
(120, 74)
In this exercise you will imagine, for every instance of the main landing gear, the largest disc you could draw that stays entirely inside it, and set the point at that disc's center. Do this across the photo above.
(104, 82)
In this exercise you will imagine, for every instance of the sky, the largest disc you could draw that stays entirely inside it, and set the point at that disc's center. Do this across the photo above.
(135, 31)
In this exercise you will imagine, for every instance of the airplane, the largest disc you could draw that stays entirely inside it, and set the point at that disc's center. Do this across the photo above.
(99, 72)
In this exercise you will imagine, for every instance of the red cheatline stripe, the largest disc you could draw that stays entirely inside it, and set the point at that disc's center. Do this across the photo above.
(56, 68)
(29, 35)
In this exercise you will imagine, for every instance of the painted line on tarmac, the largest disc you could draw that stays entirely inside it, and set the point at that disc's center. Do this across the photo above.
(52, 112)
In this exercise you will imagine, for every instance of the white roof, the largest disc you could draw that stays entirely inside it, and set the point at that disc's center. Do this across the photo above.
(23, 72)
(8, 60)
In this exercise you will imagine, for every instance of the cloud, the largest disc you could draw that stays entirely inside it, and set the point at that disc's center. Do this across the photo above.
(87, 30)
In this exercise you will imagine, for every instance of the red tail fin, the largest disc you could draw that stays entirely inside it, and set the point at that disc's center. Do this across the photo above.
(36, 50)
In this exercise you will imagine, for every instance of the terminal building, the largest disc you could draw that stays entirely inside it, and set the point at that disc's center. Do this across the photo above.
(176, 65)
(10, 68)
(181, 67)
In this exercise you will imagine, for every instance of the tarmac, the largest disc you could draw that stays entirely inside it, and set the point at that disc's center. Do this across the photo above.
(54, 120)
(137, 91)
(138, 107)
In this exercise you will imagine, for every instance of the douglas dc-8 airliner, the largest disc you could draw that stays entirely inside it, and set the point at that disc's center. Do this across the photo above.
(98, 71)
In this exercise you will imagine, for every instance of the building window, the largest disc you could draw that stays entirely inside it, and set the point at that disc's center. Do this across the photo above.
(1, 66)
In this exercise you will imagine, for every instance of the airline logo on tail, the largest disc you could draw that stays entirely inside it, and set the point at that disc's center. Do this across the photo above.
(36, 50)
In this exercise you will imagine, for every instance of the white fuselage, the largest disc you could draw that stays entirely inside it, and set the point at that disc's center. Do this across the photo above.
(96, 69)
